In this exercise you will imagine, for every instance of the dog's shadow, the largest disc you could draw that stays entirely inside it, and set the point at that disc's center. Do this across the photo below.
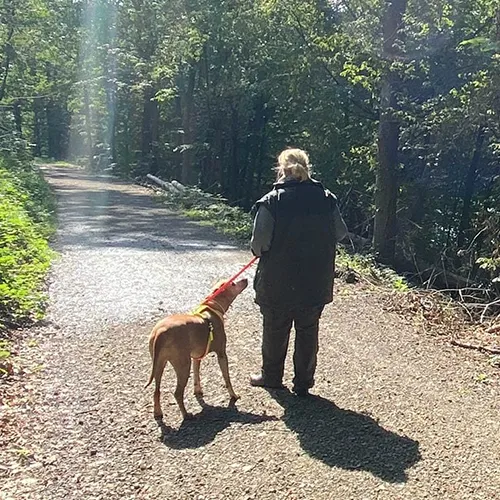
(202, 428)
(346, 439)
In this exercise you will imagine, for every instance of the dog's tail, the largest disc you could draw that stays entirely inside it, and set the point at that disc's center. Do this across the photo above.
(153, 368)
(151, 377)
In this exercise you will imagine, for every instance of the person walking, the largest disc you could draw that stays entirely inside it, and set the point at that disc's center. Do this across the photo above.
(296, 228)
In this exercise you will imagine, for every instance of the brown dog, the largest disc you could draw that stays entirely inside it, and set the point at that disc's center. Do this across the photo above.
(183, 337)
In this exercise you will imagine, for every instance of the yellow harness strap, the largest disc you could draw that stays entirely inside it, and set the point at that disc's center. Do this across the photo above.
(202, 311)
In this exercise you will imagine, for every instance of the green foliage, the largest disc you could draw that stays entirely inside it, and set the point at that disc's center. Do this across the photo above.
(366, 268)
(209, 92)
(212, 210)
(26, 221)
(5, 354)
(4, 350)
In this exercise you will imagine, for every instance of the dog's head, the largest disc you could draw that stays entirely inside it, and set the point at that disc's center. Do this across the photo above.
(227, 296)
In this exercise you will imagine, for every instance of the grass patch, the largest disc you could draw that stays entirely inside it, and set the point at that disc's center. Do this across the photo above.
(58, 163)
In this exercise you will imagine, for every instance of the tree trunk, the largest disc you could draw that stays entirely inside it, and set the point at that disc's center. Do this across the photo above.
(3, 86)
(260, 162)
(7, 53)
(257, 130)
(386, 194)
(89, 150)
(18, 118)
(469, 186)
(52, 127)
(219, 152)
(188, 175)
(110, 89)
(37, 126)
(233, 168)
(126, 134)
(149, 134)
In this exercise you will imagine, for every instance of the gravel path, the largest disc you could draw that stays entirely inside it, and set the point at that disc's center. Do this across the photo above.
(398, 415)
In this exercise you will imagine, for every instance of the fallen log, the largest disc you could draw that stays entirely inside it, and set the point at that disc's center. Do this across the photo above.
(178, 185)
(168, 186)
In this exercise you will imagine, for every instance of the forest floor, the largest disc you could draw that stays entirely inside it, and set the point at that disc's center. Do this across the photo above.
(396, 414)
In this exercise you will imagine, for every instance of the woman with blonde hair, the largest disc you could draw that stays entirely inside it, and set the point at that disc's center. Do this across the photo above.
(296, 228)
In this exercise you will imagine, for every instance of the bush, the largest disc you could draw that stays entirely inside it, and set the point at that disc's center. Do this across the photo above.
(26, 222)
(366, 268)
(213, 210)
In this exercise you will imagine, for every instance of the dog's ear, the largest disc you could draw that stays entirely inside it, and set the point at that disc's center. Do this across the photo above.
(218, 284)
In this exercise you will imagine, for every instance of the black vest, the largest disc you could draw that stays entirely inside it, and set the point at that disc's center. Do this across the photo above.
(298, 269)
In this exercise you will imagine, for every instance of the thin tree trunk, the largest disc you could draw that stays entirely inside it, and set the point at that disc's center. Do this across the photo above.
(111, 123)
(149, 133)
(88, 128)
(3, 86)
(385, 228)
(155, 125)
(52, 129)
(219, 151)
(497, 34)
(7, 50)
(37, 125)
(110, 88)
(257, 129)
(234, 167)
(469, 187)
(187, 103)
(18, 117)
(127, 136)
(10, 21)
(261, 156)
(112, 146)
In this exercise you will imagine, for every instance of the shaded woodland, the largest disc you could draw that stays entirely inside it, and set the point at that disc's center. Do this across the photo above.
(397, 103)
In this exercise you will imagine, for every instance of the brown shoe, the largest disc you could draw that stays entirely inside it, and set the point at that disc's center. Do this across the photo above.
(260, 381)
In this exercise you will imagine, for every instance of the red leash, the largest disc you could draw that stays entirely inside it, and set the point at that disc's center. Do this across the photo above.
(228, 283)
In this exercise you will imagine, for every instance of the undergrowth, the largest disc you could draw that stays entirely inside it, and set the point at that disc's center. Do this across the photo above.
(365, 268)
(212, 209)
(27, 220)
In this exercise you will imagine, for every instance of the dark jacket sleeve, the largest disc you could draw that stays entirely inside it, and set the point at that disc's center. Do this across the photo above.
(263, 228)
(341, 230)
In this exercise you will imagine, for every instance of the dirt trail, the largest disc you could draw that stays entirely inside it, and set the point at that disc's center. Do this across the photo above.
(398, 415)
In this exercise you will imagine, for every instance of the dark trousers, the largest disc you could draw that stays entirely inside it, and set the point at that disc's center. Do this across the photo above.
(276, 335)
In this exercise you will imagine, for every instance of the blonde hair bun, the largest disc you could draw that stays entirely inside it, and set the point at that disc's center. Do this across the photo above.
(293, 163)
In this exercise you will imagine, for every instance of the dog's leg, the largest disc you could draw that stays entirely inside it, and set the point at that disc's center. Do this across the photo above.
(182, 369)
(196, 375)
(157, 412)
(224, 368)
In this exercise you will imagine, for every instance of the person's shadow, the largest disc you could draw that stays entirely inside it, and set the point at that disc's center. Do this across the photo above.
(346, 439)
(202, 428)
